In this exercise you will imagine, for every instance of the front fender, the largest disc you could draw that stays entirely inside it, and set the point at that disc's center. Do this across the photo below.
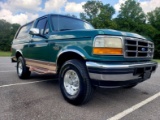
(74, 49)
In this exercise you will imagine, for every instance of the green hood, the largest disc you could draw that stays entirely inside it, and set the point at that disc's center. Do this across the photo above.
(81, 33)
(121, 33)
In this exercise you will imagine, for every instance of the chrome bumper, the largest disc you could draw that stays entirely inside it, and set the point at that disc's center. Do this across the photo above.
(108, 75)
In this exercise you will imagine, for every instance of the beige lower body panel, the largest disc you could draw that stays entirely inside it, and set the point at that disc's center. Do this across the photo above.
(41, 67)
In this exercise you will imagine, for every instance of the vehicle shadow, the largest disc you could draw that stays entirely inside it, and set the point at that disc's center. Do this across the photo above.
(104, 103)
(101, 96)
(39, 77)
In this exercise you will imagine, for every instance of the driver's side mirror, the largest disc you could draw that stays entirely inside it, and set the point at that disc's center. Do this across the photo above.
(34, 31)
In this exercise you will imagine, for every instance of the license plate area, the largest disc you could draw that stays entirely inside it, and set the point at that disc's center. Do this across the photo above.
(145, 72)
(146, 75)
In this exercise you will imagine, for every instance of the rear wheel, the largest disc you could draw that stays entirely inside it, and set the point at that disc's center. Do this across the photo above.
(74, 82)
(22, 70)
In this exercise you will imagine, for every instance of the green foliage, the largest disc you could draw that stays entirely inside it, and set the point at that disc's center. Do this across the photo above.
(157, 60)
(92, 9)
(154, 18)
(104, 18)
(132, 11)
(98, 14)
(131, 18)
(7, 32)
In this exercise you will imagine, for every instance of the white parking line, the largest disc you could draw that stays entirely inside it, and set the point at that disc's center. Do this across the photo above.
(7, 66)
(6, 63)
(8, 71)
(24, 83)
(135, 107)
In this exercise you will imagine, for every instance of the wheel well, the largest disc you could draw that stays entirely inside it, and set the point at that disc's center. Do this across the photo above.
(18, 54)
(67, 56)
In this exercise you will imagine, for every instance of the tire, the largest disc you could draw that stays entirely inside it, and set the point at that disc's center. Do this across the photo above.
(22, 70)
(74, 75)
(130, 86)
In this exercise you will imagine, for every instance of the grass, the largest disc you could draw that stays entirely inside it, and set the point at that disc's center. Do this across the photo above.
(157, 60)
(5, 54)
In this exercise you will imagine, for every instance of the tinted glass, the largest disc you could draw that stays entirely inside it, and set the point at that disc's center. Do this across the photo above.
(62, 23)
(46, 30)
(24, 30)
(41, 25)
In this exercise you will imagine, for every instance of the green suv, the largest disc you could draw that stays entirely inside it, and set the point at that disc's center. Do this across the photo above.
(82, 56)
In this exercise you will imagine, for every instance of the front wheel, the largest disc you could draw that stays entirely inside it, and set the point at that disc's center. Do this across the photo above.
(22, 70)
(75, 84)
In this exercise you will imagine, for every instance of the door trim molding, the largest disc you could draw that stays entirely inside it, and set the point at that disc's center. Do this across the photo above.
(41, 64)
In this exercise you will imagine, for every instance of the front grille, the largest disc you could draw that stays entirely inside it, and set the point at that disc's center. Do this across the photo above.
(134, 47)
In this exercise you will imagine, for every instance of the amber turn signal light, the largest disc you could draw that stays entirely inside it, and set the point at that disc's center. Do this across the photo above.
(107, 51)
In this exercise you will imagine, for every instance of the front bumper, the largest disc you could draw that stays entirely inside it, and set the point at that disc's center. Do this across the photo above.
(120, 72)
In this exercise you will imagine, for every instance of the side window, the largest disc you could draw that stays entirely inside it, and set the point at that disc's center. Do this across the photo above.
(46, 30)
(41, 25)
(24, 30)
(55, 22)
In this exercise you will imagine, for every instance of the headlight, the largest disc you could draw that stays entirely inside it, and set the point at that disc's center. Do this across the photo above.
(107, 45)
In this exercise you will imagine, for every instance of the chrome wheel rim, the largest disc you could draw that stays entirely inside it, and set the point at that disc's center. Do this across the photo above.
(20, 68)
(71, 82)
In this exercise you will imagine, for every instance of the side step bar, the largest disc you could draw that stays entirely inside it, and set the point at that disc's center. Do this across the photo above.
(39, 70)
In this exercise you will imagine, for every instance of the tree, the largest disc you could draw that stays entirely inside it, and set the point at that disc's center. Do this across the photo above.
(7, 33)
(104, 19)
(99, 15)
(154, 18)
(131, 16)
(92, 9)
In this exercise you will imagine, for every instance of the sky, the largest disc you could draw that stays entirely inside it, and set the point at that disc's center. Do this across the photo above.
(23, 11)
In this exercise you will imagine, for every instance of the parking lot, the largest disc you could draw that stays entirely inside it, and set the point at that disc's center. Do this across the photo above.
(39, 98)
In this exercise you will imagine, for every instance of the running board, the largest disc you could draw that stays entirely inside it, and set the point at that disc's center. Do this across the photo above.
(40, 70)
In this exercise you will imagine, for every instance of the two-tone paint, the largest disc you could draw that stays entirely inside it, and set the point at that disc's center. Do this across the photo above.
(51, 47)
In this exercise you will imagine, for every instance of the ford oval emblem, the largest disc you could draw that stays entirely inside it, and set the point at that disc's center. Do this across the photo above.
(143, 49)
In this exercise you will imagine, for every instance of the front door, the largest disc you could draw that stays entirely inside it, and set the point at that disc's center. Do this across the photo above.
(39, 47)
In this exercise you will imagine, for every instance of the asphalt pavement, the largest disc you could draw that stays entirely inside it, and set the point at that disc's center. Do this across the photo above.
(39, 98)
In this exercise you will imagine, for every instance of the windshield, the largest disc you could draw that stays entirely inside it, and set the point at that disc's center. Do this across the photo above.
(62, 23)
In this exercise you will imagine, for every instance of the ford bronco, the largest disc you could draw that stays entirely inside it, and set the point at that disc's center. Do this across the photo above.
(82, 56)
